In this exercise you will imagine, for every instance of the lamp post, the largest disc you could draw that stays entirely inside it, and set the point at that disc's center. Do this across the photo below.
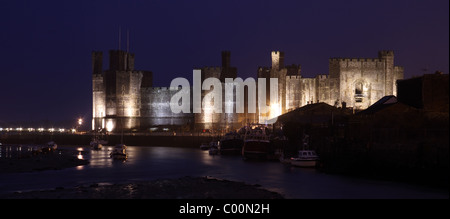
(80, 122)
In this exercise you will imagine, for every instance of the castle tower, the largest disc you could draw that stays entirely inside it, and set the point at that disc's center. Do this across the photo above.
(98, 91)
(121, 61)
(97, 62)
(388, 58)
(277, 60)
(277, 71)
(226, 59)
(363, 81)
(227, 71)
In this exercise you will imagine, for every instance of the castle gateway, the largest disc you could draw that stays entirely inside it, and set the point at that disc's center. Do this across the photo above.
(125, 98)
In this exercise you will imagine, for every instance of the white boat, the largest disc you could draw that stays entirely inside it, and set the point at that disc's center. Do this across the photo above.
(119, 152)
(305, 158)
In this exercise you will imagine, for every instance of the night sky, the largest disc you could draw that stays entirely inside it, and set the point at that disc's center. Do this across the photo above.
(46, 45)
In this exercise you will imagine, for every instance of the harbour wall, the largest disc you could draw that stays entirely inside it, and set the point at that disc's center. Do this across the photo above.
(193, 140)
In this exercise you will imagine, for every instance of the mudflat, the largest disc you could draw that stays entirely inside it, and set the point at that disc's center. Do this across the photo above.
(180, 188)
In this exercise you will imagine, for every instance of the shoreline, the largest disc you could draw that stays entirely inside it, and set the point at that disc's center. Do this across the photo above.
(28, 162)
(179, 188)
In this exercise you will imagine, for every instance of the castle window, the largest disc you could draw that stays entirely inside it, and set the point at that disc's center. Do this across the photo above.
(358, 92)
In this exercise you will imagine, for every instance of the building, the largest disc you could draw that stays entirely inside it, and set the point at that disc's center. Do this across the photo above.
(428, 92)
(353, 82)
(124, 98)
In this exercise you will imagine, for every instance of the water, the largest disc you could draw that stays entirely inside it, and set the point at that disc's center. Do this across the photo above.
(148, 163)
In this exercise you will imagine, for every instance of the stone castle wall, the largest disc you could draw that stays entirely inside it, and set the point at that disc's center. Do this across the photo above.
(124, 97)
(155, 108)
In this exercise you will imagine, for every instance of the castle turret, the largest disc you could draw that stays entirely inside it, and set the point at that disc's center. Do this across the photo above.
(226, 59)
(121, 60)
(98, 91)
(277, 60)
(227, 70)
(388, 58)
(97, 62)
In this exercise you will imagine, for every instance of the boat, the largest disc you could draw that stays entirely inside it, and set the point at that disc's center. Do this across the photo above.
(213, 150)
(119, 152)
(49, 147)
(204, 146)
(97, 144)
(305, 158)
(231, 144)
(256, 144)
(52, 145)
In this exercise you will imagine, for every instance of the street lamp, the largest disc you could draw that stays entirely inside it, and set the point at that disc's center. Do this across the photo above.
(80, 122)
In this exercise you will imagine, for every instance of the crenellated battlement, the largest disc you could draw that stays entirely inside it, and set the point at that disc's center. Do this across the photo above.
(358, 62)
(212, 69)
(293, 77)
(399, 68)
(383, 53)
(321, 77)
(346, 60)
(277, 53)
(263, 69)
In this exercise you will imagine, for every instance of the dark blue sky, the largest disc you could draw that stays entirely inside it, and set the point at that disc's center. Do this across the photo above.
(46, 45)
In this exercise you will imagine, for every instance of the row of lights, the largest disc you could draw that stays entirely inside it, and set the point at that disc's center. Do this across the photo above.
(38, 130)
(20, 129)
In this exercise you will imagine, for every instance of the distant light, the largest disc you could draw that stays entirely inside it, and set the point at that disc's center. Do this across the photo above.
(80, 121)
(61, 130)
(18, 129)
(73, 130)
(51, 129)
(40, 129)
(109, 126)
(1, 129)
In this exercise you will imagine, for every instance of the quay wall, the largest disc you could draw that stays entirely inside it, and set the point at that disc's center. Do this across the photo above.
(163, 139)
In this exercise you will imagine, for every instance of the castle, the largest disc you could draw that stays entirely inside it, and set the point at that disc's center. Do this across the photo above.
(124, 98)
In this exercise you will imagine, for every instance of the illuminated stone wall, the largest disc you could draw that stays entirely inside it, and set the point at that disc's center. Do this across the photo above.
(98, 91)
(363, 81)
(327, 90)
(210, 120)
(359, 82)
(155, 109)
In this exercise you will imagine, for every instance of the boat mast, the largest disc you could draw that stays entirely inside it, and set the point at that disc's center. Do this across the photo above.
(121, 121)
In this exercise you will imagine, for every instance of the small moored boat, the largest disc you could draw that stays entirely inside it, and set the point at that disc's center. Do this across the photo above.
(305, 158)
(119, 152)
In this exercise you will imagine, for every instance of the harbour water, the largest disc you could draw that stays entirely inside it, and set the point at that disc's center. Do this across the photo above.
(149, 163)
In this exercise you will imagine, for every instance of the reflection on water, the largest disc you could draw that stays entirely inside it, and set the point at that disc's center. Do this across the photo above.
(14, 151)
(80, 153)
(149, 163)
